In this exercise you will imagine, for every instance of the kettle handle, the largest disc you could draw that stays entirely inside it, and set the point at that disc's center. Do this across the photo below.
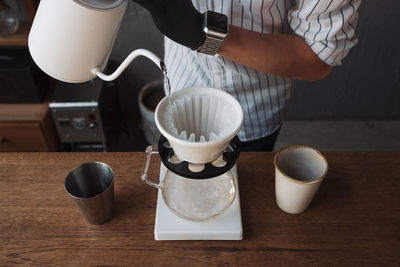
(145, 177)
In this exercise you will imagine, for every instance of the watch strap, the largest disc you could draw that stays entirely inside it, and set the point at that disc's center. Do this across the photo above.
(211, 45)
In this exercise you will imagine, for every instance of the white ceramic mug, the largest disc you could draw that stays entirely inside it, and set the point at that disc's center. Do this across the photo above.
(299, 171)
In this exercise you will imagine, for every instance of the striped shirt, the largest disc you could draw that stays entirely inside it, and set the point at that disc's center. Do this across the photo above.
(327, 26)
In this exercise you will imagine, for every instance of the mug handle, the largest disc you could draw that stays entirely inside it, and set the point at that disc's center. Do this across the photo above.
(145, 177)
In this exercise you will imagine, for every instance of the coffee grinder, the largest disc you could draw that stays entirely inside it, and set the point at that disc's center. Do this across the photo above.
(198, 193)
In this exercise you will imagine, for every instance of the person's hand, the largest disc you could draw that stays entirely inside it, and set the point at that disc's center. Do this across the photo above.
(178, 20)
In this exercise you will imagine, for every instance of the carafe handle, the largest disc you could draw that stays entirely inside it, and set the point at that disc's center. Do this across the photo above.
(145, 177)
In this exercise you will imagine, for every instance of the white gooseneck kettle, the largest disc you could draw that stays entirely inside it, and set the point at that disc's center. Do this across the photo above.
(71, 40)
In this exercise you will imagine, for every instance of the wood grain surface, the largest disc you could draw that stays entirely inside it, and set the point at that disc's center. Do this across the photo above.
(23, 112)
(354, 219)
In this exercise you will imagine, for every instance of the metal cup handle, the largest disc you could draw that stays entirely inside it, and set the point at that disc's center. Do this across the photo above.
(145, 177)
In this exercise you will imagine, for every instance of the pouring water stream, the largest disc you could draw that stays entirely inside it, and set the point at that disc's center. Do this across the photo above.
(136, 53)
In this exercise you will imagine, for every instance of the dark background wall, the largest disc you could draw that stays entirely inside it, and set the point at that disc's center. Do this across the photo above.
(367, 86)
(137, 31)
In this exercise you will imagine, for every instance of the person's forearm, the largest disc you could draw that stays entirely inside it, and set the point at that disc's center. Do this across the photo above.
(278, 54)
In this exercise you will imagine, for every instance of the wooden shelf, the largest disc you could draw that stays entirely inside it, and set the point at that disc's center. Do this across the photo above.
(23, 112)
(28, 128)
(20, 38)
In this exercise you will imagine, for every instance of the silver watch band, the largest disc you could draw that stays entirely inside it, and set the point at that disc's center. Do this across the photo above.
(211, 45)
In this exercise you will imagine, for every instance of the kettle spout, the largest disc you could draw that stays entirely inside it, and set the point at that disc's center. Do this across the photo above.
(138, 52)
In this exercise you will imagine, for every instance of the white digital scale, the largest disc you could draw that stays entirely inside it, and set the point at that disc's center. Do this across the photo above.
(226, 226)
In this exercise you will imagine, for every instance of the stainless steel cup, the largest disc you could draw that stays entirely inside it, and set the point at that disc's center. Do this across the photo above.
(91, 185)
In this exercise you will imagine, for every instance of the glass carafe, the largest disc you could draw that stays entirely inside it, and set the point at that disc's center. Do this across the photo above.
(193, 199)
(9, 21)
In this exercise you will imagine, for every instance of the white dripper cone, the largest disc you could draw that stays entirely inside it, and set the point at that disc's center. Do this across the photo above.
(199, 123)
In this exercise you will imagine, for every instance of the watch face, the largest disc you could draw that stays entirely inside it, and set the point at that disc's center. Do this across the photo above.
(217, 22)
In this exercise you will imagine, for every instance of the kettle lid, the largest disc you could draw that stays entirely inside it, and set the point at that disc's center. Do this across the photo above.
(100, 4)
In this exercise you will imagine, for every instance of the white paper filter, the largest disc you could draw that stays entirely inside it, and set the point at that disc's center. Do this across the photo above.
(200, 117)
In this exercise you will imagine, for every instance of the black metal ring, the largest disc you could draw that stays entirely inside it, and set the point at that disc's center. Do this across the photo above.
(209, 171)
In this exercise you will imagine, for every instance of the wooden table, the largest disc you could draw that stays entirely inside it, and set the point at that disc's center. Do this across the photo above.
(353, 220)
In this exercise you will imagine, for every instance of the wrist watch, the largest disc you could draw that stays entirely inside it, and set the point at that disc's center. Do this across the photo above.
(215, 27)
